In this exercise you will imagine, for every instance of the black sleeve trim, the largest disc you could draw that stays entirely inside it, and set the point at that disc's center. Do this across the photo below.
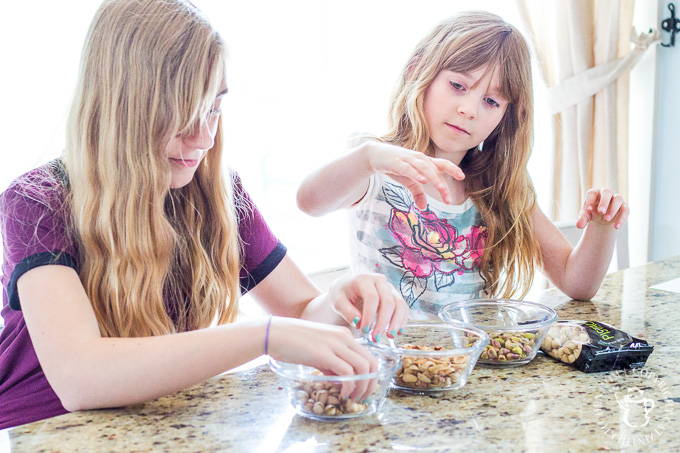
(31, 262)
(251, 280)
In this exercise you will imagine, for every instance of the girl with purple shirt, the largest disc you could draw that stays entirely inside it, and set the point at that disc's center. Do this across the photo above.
(124, 260)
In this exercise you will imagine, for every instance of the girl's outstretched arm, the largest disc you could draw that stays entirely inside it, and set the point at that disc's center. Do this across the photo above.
(578, 271)
(88, 371)
(344, 181)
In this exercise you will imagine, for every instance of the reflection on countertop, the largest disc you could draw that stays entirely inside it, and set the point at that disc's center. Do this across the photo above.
(543, 406)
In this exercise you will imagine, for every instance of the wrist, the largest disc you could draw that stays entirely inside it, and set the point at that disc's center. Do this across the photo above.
(601, 224)
(266, 334)
(365, 155)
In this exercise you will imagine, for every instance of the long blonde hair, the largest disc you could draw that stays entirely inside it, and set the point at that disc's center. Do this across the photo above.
(150, 70)
(497, 179)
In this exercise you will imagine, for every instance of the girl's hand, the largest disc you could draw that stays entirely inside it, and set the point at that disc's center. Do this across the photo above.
(330, 349)
(604, 208)
(365, 298)
(413, 169)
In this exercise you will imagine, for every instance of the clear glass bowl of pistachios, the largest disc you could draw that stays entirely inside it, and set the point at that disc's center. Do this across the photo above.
(516, 328)
(436, 356)
(329, 397)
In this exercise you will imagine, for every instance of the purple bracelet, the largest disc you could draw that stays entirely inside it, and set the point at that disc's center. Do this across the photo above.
(266, 335)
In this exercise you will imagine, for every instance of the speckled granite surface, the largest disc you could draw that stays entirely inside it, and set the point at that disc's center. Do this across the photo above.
(543, 406)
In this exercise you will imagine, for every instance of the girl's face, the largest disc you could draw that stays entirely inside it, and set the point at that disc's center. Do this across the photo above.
(185, 153)
(461, 110)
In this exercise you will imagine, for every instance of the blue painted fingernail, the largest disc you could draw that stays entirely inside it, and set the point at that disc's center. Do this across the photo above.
(401, 331)
(377, 338)
(366, 329)
(393, 333)
(355, 321)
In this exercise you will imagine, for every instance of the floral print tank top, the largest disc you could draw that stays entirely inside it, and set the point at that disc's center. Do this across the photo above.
(431, 256)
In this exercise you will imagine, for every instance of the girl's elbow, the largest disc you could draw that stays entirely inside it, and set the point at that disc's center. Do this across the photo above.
(306, 204)
(303, 203)
(72, 390)
(582, 293)
(581, 289)
(71, 398)
(71, 405)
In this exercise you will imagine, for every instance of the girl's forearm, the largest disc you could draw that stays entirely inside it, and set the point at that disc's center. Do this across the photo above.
(320, 309)
(111, 372)
(294, 295)
(337, 185)
(588, 263)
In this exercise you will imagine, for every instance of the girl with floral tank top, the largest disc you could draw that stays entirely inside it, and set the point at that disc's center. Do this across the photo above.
(442, 204)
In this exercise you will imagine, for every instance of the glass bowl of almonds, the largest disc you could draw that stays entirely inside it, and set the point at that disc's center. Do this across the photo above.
(328, 397)
(516, 328)
(436, 356)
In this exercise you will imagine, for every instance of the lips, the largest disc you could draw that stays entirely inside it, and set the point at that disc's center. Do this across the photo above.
(458, 129)
(189, 163)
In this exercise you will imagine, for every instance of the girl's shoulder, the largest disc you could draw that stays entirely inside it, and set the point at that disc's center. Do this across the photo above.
(46, 185)
(243, 203)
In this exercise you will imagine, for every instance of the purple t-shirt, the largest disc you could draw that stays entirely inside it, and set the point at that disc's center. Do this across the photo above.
(32, 220)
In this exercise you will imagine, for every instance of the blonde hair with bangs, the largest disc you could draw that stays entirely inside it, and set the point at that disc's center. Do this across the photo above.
(497, 179)
(150, 70)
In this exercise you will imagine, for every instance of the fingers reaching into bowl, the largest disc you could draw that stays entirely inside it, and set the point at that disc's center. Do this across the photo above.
(323, 396)
(330, 349)
(365, 299)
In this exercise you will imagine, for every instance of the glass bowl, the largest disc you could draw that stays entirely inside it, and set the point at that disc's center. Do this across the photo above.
(516, 328)
(436, 356)
(317, 396)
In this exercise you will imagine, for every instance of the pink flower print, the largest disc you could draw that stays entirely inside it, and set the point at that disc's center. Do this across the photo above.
(412, 260)
(430, 243)
(477, 238)
(429, 249)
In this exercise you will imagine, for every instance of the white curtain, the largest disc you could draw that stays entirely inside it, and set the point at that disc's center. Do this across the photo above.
(585, 50)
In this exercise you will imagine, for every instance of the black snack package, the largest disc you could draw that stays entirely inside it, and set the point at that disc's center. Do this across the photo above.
(593, 346)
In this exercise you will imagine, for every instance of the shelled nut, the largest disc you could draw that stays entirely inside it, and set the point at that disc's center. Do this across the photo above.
(508, 346)
(430, 372)
(565, 342)
(323, 398)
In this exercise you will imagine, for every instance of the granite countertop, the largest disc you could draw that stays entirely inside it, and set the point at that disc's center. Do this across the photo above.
(543, 406)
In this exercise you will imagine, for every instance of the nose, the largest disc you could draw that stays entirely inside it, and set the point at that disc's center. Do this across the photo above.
(468, 106)
(203, 137)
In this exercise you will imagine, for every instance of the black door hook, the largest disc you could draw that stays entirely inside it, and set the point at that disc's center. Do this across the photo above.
(671, 25)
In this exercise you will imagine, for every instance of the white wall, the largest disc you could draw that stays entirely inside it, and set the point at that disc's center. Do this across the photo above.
(665, 215)
(40, 47)
(641, 136)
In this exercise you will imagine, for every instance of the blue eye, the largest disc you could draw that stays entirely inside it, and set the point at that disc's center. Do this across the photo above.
(491, 102)
(456, 86)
